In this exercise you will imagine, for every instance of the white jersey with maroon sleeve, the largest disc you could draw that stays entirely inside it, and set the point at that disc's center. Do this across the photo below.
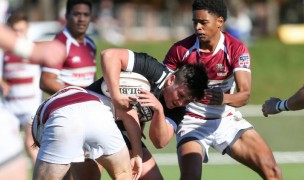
(229, 56)
(24, 94)
(79, 68)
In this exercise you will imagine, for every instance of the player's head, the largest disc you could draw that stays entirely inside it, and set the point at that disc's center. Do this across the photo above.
(18, 21)
(216, 7)
(78, 16)
(208, 17)
(185, 85)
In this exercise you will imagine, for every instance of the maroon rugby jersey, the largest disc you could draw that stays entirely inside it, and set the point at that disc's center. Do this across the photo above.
(229, 56)
(24, 95)
(79, 68)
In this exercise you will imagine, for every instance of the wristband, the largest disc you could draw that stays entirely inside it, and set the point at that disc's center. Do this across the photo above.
(23, 48)
(282, 106)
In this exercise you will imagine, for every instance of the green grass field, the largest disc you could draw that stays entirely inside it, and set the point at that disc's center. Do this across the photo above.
(230, 172)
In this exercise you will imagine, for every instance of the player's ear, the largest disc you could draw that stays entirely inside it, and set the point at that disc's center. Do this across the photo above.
(171, 80)
(220, 21)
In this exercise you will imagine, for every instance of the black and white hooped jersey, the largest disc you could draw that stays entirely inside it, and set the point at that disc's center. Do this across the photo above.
(156, 73)
(146, 65)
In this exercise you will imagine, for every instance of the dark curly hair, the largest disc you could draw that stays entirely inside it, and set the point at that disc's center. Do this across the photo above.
(216, 7)
(71, 3)
(195, 77)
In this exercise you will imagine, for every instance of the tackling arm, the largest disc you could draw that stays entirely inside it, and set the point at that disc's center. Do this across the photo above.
(296, 102)
(49, 83)
(243, 85)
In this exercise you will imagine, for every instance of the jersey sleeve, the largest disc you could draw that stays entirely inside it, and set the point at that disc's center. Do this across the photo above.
(241, 59)
(172, 59)
(149, 67)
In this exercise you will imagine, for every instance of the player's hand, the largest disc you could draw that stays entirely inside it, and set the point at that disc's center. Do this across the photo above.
(121, 101)
(136, 163)
(49, 53)
(147, 99)
(269, 107)
(214, 96)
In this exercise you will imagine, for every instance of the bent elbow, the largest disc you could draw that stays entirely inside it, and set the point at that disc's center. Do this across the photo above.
(246, 100)
(105, 54)
(159, 145)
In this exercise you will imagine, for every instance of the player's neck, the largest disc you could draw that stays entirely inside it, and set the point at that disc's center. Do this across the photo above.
(79, 38)
(209, 46)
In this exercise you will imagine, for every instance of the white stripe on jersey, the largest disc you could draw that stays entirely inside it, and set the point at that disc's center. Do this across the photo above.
(131, 60)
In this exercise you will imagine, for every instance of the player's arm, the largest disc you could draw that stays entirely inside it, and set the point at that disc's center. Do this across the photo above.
(49, 83)
(160, 132)
(112, 62)
(276, 105)
(131, 123)
(296, 102)
(215, 96)
(48, 53)
(243, 89)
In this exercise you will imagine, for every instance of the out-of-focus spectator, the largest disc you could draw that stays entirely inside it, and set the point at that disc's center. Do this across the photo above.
(107, 25)
(239, 23)
(23, 93)
(13, 164)
(12, 157)
(4, 4)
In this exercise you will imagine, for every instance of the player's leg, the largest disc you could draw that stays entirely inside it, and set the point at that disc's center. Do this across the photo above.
(61, 142)
(28, 143)
(193, 137)
(150, 169)
(252, 150)
(118, 165)
(26, 125)
(50, 171)
(104, 141)
(190, 159)
(90, 169)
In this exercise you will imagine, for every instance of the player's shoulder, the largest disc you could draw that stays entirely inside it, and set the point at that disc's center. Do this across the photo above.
(90, 41)
(60, 36)
(181, 47)
(234, 46)
(232, 41)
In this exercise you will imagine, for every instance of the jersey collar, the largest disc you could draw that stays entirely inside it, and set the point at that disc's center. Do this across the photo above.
(219, 46)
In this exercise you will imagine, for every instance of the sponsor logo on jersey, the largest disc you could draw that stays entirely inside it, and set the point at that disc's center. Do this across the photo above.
(244, 61)
(221, 70)
(76, 59)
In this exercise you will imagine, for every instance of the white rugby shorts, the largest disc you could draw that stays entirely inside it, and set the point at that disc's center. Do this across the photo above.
(217, 133)
(76, 129)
